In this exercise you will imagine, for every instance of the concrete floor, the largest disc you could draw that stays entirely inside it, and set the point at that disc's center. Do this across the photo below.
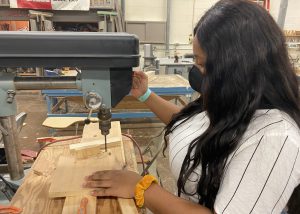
(34, 104)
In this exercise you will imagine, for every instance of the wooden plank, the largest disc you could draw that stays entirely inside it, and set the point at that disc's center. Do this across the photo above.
(64, 122)
(32, 195)
(93, 141)
(127, 206)
(69, 174)
(165, 81)
(92, 132)
(72, 204)
(70, 171)
(131, 163)
(108, 206)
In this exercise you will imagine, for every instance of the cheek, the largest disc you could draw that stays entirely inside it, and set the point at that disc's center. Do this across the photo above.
(201, 69)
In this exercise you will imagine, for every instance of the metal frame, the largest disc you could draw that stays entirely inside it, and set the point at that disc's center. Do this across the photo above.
(51, 94)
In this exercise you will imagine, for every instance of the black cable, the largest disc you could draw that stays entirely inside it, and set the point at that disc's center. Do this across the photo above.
(151, 142)
(56, 141)
(13, 189)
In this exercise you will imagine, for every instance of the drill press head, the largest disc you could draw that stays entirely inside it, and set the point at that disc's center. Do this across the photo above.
(105, 61)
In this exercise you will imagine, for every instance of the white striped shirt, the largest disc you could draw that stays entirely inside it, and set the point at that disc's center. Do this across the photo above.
(260, 175)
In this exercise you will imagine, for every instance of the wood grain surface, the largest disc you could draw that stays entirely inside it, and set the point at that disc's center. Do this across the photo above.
(32, 195)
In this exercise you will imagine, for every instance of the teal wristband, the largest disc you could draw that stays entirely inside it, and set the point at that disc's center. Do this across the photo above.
(145, 96)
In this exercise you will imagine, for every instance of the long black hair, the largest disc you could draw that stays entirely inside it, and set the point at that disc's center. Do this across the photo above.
(247, 64)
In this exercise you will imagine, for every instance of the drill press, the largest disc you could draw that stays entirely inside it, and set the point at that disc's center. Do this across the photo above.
(93, 102)
(105, 60)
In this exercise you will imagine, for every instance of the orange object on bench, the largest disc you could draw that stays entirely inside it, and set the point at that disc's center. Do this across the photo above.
(83, 206)
(9, 210)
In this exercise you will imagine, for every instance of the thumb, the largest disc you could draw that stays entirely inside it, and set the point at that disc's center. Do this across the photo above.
(140, 74)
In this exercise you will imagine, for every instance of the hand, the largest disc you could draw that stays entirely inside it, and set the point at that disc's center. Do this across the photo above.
(139, 84)
(118, 183)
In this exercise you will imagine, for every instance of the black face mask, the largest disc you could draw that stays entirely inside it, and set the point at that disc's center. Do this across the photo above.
(196, 79)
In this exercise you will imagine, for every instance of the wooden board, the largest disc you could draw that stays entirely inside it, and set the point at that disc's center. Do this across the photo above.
(72, 204)
(93, 141)
(64, 122)
(127, 206)
(32, 195)
(70, 172)
(91, 132)
(165, 81)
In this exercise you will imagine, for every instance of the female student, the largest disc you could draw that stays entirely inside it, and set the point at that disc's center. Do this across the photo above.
(236, 148)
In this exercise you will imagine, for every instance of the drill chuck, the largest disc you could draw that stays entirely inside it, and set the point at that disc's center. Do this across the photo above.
(104, 116)
(105, 127)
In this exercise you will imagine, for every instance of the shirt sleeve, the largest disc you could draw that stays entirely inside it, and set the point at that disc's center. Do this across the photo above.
(260, 177)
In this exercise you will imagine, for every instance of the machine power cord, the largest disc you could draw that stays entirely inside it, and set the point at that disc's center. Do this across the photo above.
(13, 189)
(140, 152)
(77, 137)
(56, 141)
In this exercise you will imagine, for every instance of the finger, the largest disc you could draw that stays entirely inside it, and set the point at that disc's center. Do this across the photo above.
(134, 74)
(137, 77)
(99, 175)
(96, 184)
(140, 74)
(102, 192)
(135, 83)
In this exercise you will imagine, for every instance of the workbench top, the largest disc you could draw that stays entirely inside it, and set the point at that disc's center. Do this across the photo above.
(32, 195)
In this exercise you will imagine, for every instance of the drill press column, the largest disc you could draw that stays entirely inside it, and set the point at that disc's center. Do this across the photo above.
(8, 126)
(11, 146)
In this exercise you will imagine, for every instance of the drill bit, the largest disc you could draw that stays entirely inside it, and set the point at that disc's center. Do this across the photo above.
(105, 143)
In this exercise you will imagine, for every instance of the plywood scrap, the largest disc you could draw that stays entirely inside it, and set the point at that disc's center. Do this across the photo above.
(93, 141)
(70, 172)
(72, 204)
